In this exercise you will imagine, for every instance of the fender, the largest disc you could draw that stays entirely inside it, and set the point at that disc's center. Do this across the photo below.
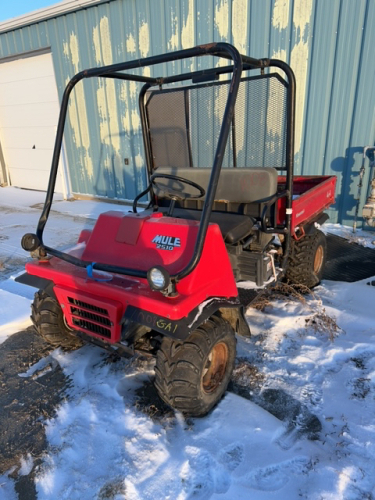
(319, 219)
(231, 309)
(37, 282)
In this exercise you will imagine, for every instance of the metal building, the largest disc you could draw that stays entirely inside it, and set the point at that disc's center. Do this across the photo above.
(329, 45)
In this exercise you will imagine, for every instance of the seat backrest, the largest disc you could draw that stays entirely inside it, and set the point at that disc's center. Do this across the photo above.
(236, 185)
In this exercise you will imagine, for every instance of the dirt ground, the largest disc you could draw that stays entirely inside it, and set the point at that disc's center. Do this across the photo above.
(25, 402)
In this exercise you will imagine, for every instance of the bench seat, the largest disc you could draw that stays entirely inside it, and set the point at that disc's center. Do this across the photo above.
(246, 188)
(236, 185)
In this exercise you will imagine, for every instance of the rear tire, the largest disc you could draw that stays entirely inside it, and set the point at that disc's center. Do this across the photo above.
(307, 259)
(192, 375)
(48, 319)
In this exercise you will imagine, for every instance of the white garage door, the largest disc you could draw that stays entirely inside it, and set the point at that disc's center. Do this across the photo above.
(29, 111)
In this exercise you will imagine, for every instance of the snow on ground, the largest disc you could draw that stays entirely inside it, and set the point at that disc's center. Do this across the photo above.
(21, 198)
(20, 212)
(360, 236)
(319, 352)
(15, 314)
(101, 445)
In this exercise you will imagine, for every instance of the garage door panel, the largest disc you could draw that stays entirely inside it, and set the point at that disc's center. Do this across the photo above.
(29, 66)
(22, 115)
(38, 181)
(29, 111)
(27, 137)
(38, 159)
(38, 90)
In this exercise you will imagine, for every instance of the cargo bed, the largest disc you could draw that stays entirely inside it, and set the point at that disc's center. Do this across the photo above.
(312, 194)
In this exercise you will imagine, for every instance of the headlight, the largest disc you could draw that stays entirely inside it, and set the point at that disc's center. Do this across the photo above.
(158, 278)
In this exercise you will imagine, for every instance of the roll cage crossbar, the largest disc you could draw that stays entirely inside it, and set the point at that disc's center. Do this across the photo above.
(240, 63)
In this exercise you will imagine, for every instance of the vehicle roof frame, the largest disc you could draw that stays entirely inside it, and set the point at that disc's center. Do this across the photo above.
(240, 63)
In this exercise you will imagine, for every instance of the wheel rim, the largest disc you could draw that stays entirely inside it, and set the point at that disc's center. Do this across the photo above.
(66, 324)
(215, 368)
(318, 260)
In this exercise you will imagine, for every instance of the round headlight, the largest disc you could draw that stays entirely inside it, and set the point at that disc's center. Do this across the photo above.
(158, 278)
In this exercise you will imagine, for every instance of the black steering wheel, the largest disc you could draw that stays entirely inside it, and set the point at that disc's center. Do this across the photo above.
(173, 195)
(177, 195)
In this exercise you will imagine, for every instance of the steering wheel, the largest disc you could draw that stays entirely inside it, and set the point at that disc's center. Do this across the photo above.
(173, 195)
(177, 195)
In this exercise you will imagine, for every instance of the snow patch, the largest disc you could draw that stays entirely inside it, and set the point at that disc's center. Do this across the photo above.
(14, 314)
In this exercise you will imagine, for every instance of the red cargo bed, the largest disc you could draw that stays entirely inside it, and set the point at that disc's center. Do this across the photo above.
(312, 194)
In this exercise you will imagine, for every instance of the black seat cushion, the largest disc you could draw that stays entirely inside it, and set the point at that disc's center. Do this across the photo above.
(233, 227)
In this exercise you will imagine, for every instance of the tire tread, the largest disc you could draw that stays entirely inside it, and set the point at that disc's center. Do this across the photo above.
(300, 268)
(48, 321)
(179, 365)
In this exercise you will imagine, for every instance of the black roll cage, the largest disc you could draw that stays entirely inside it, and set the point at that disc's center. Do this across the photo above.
(240, 63)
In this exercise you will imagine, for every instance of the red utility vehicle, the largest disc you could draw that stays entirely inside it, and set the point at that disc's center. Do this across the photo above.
(164, 280)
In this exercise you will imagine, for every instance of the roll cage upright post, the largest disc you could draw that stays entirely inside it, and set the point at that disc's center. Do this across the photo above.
(240, 62)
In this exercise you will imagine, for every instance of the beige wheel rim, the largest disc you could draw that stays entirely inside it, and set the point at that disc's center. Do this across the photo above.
(215, 368)
(318, 260)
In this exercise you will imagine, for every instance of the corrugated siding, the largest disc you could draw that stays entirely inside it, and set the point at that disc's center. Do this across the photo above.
(329, 44)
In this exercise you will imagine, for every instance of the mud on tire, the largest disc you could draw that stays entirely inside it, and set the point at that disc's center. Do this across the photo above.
(192, 375)
(307, 259)
(47, 317)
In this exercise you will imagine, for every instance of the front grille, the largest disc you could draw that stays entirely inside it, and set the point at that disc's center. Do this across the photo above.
(89, 315)
(85, 305)
(92, 327)
(94, 315)
(90, 318)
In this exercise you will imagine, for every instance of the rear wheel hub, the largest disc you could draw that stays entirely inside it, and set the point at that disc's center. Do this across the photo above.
(318, 260)
(215, 368)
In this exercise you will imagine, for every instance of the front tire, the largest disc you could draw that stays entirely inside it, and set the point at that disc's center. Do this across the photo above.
(307, 259)
(48, 319)
(192, 375)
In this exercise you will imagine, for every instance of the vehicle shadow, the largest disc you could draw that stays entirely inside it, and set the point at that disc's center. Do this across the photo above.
(347, 170)
(298, 419)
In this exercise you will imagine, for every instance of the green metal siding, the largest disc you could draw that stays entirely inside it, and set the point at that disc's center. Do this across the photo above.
(329, 44)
